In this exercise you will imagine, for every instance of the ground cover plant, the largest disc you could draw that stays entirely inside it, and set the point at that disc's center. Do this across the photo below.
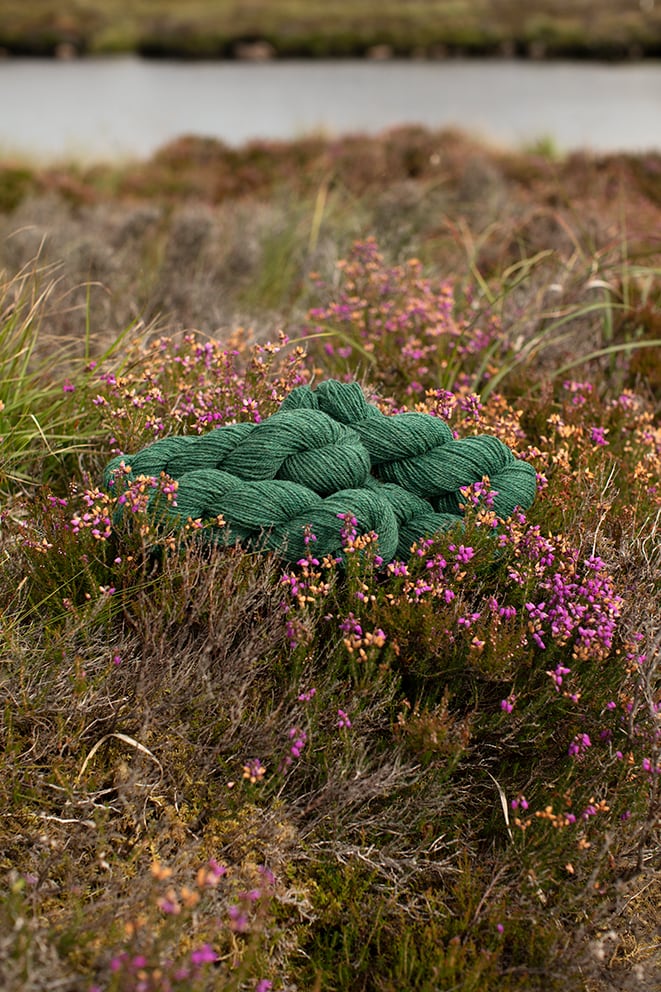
(264, 28)
(222, 771)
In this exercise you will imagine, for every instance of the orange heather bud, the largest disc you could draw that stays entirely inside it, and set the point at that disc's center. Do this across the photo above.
(160, 871)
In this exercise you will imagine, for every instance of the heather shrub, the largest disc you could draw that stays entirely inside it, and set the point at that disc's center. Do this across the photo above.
(408, 332)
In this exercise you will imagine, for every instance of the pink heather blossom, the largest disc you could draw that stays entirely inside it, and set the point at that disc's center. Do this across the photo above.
(343, 721)
(305, 697)
(203, 955)
(579, 746)
(238, 919)
(598, 436)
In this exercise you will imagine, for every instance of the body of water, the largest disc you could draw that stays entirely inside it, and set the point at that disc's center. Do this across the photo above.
(103, 109)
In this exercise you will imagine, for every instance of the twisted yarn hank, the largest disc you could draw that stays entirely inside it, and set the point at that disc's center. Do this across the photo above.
(325, 456)
(274, 514)
(420, 453)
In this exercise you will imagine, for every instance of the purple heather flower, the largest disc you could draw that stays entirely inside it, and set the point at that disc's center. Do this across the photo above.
(343, 721)
(579, 745)
(238, 919)
(203, 955)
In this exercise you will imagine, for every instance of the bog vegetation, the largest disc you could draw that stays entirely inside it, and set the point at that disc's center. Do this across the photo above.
(220, 770)
(286, 28)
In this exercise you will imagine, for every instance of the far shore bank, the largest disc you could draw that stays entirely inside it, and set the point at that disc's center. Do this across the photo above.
(262, 50)
(271, 29)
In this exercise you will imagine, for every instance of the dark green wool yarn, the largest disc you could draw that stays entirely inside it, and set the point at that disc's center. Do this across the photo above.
(386, 438)
(207, 450)
(415, 517)
(301, 446)
(370, 511)
(273, 514)
(343, 401)
(249, 508)
(420, 453)
(324, 455)
(441, 472)
(176, 455)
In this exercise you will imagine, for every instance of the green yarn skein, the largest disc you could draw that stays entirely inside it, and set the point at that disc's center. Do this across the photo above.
(420, 453)
(307, 447)
(273, 514)
(324, 455)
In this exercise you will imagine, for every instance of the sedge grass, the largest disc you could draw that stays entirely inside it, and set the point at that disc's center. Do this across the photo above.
(40, 424)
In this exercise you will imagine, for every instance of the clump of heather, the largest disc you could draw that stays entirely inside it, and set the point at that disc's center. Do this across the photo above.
(509, 649)
(192, 384)
(408, 330)
(194, 933)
